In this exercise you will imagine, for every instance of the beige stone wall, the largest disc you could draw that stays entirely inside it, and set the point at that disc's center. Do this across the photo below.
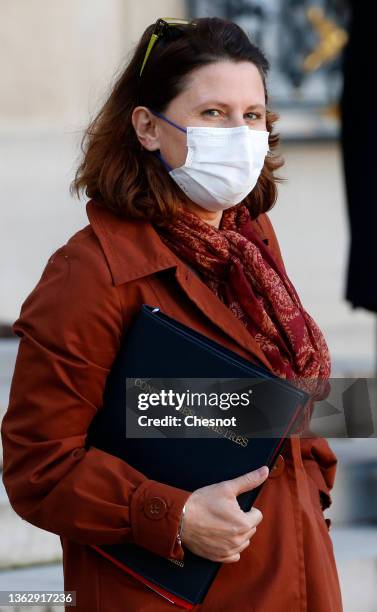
(58, 56)
(57, 61)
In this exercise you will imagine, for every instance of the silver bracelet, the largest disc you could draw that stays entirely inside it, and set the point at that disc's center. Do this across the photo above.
(180, 529)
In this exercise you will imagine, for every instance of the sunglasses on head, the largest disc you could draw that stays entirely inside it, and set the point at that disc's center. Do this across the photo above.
(160, 28)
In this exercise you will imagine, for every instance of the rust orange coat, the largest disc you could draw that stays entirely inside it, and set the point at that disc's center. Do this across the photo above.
(71, 326)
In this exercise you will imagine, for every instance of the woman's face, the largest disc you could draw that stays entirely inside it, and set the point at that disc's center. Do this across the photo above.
(225, 94)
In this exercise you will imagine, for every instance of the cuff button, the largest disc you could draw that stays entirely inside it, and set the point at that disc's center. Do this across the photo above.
(155, 508)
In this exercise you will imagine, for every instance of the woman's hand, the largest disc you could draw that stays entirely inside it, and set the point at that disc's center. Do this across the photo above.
(214, 525)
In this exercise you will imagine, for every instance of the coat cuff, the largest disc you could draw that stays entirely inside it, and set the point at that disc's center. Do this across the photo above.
(156, 510)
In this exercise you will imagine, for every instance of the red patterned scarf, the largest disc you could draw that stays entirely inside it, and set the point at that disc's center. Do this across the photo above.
(236, 264)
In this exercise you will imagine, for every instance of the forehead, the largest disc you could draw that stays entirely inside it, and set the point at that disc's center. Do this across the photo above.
(233, 83)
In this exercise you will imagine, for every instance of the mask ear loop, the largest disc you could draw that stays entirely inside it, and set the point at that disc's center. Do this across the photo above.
(168, 121)
(157, 153)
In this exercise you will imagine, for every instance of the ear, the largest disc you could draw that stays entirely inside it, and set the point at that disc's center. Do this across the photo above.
(146, 128)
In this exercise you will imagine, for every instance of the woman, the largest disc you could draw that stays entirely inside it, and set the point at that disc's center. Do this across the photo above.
(177, 169)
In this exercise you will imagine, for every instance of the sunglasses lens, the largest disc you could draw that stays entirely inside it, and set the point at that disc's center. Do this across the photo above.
(173, 33)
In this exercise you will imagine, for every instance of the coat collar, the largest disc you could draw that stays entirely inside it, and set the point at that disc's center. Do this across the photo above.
(133, 249)
(127, 257)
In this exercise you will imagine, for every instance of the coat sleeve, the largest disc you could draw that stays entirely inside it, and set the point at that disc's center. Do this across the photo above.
(320, 463)
(70, 328)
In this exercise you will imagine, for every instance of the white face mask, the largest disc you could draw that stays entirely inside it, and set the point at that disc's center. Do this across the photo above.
(222, 164)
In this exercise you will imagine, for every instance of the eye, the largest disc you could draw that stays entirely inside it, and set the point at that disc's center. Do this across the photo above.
(211, 110)
(255, 116)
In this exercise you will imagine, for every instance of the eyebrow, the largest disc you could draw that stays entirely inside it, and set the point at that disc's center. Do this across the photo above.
(219, 103)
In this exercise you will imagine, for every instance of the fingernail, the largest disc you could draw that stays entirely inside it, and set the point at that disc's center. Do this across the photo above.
(262, 471)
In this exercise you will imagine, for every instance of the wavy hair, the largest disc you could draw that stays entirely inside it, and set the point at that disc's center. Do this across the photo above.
(116, 170)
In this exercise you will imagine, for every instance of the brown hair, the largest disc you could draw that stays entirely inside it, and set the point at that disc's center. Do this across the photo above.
(116, 170)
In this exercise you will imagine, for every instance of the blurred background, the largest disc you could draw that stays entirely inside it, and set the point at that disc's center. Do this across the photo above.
(57, 64)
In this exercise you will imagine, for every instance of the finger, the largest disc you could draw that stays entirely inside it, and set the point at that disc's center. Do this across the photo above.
(254, 516)
(248, 520)
(239, 542)
(248, 481)
(250, 533)
(248, 529)
(230, 559)
(242, 547)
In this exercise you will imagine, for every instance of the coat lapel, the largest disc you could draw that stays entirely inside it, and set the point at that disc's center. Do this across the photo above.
(217, 312)
(133, 249)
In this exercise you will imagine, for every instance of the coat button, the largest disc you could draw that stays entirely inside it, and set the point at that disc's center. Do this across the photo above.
(155, 508)
(278, 467)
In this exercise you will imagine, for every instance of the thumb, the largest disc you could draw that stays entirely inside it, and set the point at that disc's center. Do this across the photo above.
(249, 481)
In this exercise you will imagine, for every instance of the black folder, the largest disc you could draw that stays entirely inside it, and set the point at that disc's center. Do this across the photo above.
(157, 345)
